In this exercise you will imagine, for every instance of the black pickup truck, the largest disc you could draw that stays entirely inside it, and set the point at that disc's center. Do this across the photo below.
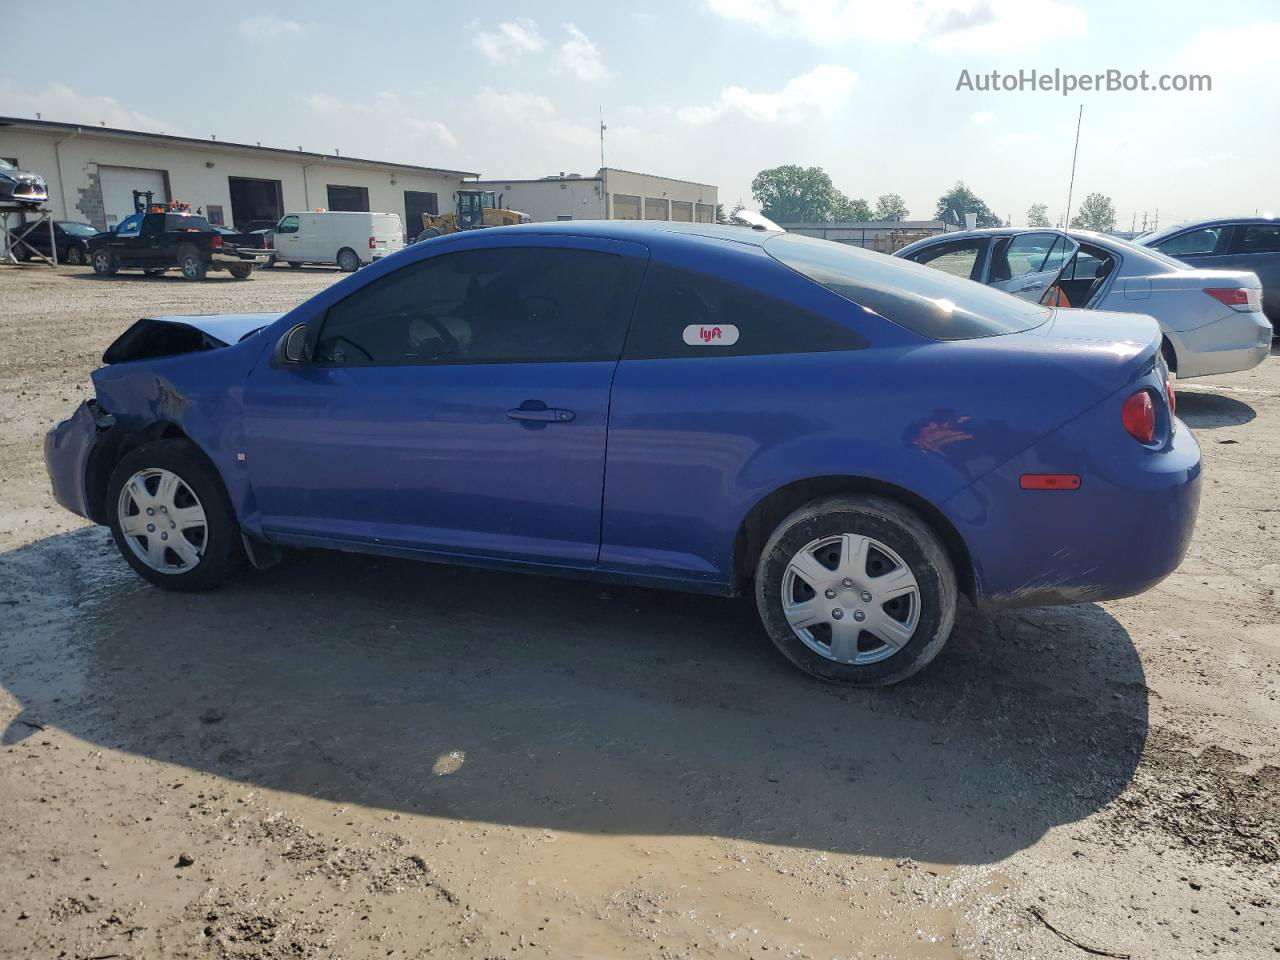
(156, 242)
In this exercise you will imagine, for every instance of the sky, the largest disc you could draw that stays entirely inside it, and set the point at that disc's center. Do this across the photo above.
(705, 90)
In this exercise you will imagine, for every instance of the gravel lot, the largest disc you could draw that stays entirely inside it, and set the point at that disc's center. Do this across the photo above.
(348, 757)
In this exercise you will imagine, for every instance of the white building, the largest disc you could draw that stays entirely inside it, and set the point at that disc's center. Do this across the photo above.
(612, 194)
(93, 171)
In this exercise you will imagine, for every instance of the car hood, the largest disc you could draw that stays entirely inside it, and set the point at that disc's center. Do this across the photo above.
(166, 336)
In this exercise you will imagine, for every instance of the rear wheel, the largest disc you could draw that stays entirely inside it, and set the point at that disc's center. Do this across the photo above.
(295, 265)
(241, 271)
(193, 266)
(856, 590)
(171, 517)
(348, 262)
(104, 264)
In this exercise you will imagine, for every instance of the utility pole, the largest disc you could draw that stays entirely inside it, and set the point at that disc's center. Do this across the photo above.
(1074, 153)
(604, 186)
(603, 128)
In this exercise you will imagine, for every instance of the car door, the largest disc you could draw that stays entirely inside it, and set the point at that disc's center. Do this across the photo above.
(457, 405)
(287, 240)
(1027, 263)
(1206, 248)
(124, 239)
(1257, 248)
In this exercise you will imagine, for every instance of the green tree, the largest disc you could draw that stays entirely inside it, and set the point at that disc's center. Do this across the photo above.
(792, 194)
(845, 210)
(720, 214)
(1038, 215)
(1096, 213)
(891, 207)
(959, 200)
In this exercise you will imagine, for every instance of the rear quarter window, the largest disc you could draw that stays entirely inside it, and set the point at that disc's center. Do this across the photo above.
(684, 313)
(921, 299)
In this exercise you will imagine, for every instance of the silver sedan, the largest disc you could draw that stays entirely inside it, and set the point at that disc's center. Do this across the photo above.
(1212, 319)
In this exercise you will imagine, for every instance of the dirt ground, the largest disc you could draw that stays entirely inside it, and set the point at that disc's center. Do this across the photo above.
(350, 757)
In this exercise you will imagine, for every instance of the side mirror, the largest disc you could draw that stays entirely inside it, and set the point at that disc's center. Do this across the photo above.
(292, 348)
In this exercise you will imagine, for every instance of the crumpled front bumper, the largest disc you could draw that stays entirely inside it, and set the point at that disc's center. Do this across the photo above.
(67, 451)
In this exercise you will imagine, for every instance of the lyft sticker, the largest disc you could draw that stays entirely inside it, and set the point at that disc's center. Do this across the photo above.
(705, 335)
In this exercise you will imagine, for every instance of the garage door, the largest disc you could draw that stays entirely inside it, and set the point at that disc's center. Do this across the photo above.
(118, 184)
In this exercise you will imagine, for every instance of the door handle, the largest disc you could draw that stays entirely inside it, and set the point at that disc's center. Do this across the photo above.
(540, 413)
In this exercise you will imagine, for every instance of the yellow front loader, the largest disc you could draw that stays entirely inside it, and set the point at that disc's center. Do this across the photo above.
(476, 209)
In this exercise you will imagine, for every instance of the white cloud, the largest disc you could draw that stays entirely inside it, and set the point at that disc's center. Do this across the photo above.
(266, 28)
(537, 115)
(822, 90)
(387, 110)
(579, 57)
(59, 102)
(1234, 49)
(942, 24)
(510, 40)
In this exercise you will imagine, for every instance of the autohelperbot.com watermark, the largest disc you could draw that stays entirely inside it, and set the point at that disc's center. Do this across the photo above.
(1067, 83)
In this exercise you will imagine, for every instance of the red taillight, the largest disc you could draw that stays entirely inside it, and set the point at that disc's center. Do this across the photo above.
(1049, 481)
(1139, 417)
(1173, 399)
(1234, 297)
(216, 242)
(372, 243)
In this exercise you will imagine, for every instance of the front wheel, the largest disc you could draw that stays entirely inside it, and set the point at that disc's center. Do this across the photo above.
(348, 262)
(75, 255)
(104, 264)
(171, 517)
(856, 590)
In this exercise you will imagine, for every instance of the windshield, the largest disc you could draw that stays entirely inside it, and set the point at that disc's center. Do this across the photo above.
(6, 165)
(77, 229)
(926, 301)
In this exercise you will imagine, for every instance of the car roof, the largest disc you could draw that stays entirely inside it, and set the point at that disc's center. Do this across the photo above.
(639, 230)
(1201, 224)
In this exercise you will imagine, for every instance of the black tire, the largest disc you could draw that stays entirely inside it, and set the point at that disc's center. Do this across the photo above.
(295, 265)
(904, 533)
(76, 255)
(241, 271)
(104, 263)
(223, 551)
(428, 233)
(191, 263)
(1170, 356)
(348, 261)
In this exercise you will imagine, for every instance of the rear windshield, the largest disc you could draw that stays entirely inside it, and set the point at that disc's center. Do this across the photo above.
(182, 221)
(922, 299)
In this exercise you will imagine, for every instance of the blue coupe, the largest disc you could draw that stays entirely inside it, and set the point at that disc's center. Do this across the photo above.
(851, 438)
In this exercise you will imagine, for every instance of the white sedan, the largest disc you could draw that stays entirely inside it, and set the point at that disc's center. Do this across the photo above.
(1212, 320)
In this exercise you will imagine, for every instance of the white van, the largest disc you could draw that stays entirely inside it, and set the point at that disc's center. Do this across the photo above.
(349, 239)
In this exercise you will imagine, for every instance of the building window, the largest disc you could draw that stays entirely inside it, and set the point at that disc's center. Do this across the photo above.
(706, 213)
(348, 198)
(213, 213)
(626, 207)
(656, 209)
(682, 210)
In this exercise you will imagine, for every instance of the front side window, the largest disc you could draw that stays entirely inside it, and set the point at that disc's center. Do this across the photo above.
(287, 225)
(130, 226)
(957, 259)
(682, 313)
(497, 305)
(1202, 241)
(925, 301)
(1261, 238)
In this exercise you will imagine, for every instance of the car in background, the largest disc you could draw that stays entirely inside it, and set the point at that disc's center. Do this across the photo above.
(350, 239)
(256, 226)
(158, 241)
(1211, 320)
(70, 240)
(20, 186)
(850, 439)
(1241, 243)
